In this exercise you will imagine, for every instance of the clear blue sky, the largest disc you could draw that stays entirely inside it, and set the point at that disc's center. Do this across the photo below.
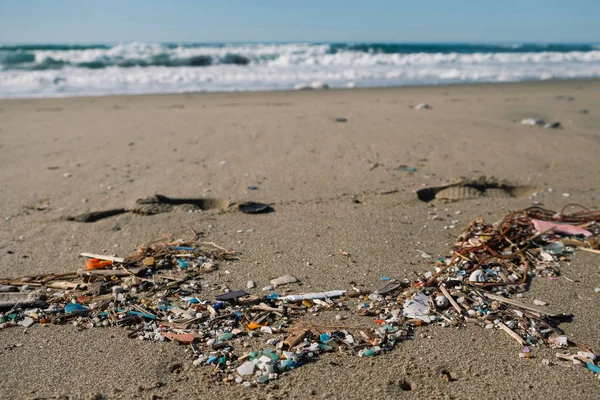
(89, 21)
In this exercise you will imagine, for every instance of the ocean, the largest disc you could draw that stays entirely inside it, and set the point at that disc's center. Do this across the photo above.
(56, 70)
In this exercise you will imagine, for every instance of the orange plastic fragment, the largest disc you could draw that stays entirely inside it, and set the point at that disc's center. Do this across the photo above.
(183, 338)
(379, 321)
(307, 303)
(96, 263)
(253, 325)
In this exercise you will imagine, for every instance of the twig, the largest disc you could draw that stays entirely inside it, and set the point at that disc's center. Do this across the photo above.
(450, 299)
(589, 250)
(103, 257)
(521, 305)
(512, 333)
(219, 247)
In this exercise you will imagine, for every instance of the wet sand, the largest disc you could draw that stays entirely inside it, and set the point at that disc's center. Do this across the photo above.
(62, 157)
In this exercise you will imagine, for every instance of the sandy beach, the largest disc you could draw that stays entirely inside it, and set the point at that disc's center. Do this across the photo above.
(63, 157)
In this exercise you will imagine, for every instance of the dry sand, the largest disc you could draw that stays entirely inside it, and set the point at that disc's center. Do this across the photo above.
(82, 154)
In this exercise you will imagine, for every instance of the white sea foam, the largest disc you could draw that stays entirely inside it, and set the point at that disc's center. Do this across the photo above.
(278, 66)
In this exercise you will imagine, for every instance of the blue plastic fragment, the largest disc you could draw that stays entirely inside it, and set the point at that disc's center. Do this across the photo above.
(211, 359)
(289, 364)
(369, 353)
(405, 168)
(163, 307)
(271, 355)
(325, 337)
(238, 314)
(193, 300)
(592, 367)
(74, 308)
(183, 248)
(272, 296)
(183, 263)
(219, 305)
(141, 314)
(385, 278)
(252, 187)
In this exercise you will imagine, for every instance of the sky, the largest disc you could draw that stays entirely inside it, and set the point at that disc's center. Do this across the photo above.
(109, 21)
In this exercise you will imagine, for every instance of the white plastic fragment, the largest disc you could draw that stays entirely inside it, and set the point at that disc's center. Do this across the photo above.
(250, 285)
(478, 276)
(423, 254)
(532, 121)
(560, 341)
(246, 368)
(418, 307)
(539, 302)
(422, 106)
(311, 296)
(266, 329)
(587, 354)
(26, 322)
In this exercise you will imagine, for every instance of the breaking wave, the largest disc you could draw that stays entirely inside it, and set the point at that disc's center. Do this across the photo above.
(64, 70)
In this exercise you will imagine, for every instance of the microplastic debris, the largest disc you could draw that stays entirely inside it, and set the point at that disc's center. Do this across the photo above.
(418, 307)
(532, 121)
(231, 295)
(246, 368)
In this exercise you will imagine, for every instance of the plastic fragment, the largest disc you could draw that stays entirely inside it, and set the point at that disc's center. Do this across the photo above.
(231, 295)
(544, 226)
(246, 368)
(183, 338)
(96, 263)
(311, 296)
(593, 367)
(26, 322)
(418, 307)
(73, 308)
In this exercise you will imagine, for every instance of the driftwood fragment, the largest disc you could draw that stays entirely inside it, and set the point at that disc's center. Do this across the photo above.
(512, 333)
(103, 257)
(538, 310)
